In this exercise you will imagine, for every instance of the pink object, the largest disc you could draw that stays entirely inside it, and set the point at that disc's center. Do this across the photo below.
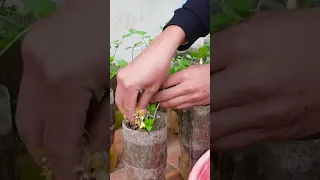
(201, 170)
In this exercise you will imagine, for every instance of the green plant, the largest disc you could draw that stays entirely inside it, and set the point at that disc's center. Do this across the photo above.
(145, 120)
(198, 56)
(15, 23)
(225, 13)
(116, 65)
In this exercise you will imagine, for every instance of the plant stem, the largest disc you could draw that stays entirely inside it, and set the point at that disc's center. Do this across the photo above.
(11, 21)
(132, 51)
(144, 41)
(114, 74)
(155, 112)
(4, 50)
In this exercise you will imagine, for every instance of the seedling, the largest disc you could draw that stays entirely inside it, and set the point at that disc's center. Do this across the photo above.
(144, 118)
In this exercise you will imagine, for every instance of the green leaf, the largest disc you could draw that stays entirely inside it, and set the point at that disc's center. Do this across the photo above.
(148, 124)
(184, 62)
(40, 8)
(111, 59)
(127, 35)
(122, 63)
(141, 33)
(133, 31)
(194, 54)
(204, 51)
(152, 108)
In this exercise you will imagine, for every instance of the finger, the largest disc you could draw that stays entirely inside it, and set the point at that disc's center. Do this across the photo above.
(145, 97)
(130, 103)
(28, 120)
(270, 113)
(99, 129)
(174, 79)
(177, 101)
(234, 86)
(167, 94)
(184, 106)
(64, 127)
(119, 98)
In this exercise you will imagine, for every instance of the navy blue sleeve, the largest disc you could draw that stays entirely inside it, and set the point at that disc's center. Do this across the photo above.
(194, 19)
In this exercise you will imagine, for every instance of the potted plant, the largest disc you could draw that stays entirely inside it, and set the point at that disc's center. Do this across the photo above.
(193, 123)
(117, 64)
(145, 145)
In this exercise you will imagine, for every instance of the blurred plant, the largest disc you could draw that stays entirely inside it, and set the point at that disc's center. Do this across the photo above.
(14, 22)
(116, 65)
(225, 13)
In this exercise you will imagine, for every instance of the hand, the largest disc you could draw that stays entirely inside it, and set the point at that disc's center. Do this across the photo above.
(60, 74)
(147, 72)
(187, 88)
(265, 76)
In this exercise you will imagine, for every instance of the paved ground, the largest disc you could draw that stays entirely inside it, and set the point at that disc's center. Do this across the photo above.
(173, 156)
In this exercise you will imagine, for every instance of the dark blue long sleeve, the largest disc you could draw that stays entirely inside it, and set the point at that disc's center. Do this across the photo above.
(194, 19)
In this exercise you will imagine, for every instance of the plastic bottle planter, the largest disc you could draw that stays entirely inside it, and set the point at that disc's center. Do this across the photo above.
(145, 153)
(298, 160)
(173, 120)
(194, 131)
(113, 150)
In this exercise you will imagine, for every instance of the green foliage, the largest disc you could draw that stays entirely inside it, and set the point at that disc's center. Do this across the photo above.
(14, 23)
(198, 56)
(149, 120)
(230, 12)
(40, 8)
(116, 65)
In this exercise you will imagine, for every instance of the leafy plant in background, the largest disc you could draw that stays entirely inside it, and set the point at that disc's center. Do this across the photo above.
(116, 65)
(15, 23)
(225, 13)
(198, 56)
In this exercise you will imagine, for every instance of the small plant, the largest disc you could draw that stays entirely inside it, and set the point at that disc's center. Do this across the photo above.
(144, 119)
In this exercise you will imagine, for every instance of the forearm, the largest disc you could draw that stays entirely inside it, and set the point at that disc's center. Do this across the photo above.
(171, 38)
(194, 19)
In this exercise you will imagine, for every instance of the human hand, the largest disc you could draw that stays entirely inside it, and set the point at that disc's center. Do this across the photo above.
(147, 72)
(265, 75)
(186, 88)
(60, 74)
